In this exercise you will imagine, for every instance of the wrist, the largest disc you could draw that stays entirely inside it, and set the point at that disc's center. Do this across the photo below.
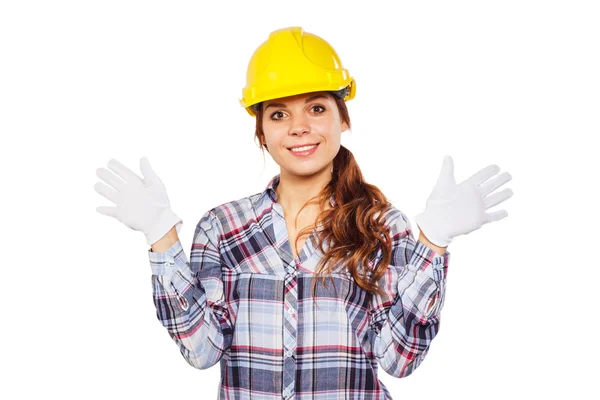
(164, 243)
(438, 249)
(164, 223)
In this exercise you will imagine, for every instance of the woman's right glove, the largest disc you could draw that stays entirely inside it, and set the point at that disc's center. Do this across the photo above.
(141, 204)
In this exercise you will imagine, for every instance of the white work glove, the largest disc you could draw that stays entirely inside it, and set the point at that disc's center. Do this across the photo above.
(453, 210)
(141, 204)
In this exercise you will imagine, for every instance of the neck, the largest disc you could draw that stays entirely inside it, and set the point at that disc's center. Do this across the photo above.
(293, 190)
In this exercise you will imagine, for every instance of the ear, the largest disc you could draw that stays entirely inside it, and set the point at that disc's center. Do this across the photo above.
(344, 126)
(263, 142)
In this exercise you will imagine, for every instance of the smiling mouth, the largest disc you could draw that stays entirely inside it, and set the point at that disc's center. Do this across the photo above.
(301, 149)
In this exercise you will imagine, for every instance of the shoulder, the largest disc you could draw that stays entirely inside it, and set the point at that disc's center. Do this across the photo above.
(236, 214)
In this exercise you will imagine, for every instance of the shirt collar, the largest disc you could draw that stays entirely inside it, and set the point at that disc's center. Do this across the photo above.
(270, 189)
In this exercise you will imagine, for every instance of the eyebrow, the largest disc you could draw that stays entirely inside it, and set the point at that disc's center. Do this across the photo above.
(311, 98)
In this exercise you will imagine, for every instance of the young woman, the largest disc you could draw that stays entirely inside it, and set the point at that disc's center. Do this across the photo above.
(303, 289)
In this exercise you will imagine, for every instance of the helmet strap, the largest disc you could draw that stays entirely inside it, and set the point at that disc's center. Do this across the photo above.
(342, 93)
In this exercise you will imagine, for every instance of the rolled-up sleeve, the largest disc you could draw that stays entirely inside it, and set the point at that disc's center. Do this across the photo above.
(189, 296)
(404, 321)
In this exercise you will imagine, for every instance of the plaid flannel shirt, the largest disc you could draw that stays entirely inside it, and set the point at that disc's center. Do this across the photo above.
(243, 300)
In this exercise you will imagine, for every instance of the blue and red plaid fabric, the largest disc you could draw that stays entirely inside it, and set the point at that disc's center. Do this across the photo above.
(244, 301)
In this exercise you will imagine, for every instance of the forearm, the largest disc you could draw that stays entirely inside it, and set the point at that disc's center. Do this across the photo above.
(191, 296)
(183, 308)
(406, 329)
(440, 250)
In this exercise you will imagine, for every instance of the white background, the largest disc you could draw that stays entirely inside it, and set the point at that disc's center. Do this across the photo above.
(512, 83)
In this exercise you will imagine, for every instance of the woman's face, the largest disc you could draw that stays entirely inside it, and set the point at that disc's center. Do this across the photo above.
(300, 120)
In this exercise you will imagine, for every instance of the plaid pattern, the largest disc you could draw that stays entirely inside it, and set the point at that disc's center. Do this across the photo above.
(244, 301)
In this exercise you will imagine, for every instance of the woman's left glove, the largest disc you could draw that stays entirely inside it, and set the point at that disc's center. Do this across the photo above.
(457, 209)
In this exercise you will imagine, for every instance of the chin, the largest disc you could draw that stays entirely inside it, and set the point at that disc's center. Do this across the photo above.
(306, 172)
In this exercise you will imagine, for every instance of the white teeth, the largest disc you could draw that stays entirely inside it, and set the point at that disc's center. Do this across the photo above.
(297, 149)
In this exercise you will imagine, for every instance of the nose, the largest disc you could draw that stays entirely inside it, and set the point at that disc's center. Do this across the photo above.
(299, 126)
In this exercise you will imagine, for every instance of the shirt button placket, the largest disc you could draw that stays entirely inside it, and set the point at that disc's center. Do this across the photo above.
(290, 305)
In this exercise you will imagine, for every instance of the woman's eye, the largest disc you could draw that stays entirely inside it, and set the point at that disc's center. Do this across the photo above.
(321, 108)
(275, 113)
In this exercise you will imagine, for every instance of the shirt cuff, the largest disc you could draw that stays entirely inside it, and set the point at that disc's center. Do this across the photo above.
(163, 263)
(423, 257)
(423, 283)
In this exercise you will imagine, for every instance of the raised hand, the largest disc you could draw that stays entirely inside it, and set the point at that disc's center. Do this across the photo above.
(141, 204)
(458, 209)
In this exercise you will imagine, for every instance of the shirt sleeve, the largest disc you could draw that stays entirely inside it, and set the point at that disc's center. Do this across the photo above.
(404, 321)
(189, 296)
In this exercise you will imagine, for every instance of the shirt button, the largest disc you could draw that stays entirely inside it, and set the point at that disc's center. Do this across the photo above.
(167, 264)
(290, 310)
(287, 392)
(184, 303)
(289, 353)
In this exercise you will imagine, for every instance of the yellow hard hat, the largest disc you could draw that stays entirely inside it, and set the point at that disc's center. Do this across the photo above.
(291, 62)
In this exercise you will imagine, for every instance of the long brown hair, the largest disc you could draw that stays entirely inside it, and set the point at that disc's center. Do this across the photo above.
(351, 225)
